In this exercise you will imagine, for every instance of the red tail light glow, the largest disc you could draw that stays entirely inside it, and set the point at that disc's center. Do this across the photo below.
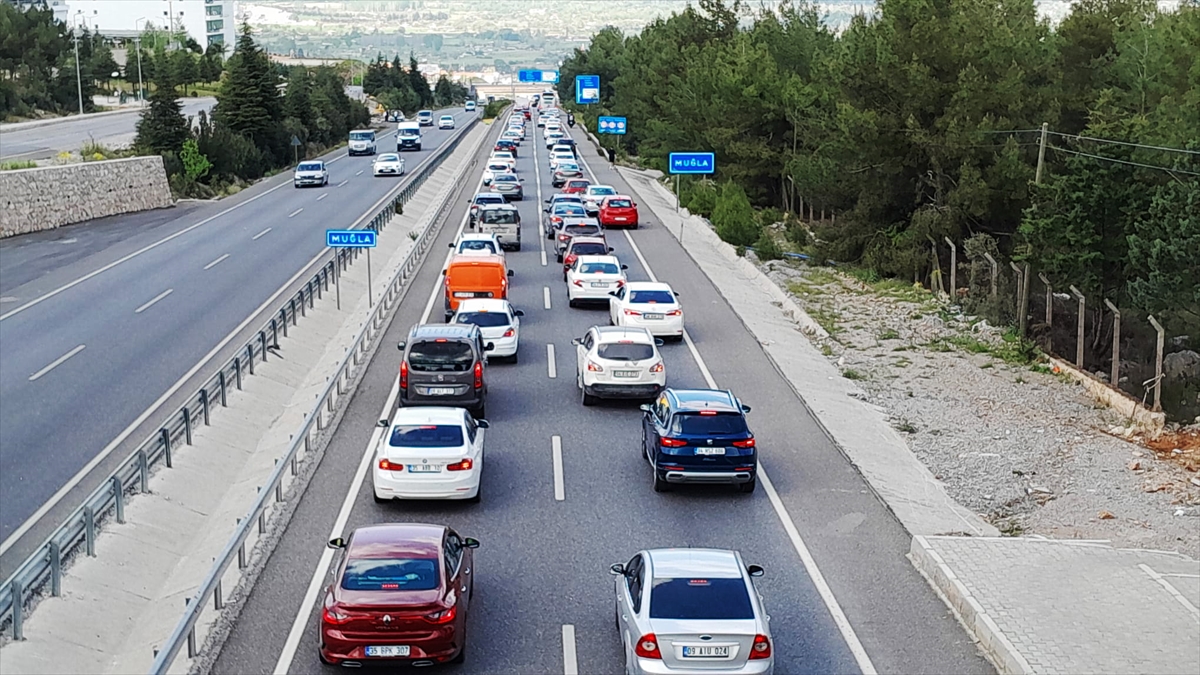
(390, 466)
(510, 332)
(464, 465)
(333, 616)
(708, 412)
(478, 375)
(577, 282)
(446, 616)
(632, 312)
(404, 375)
(675, 312)
(672, 442)
(748, 443)
(647, 647)
(620, 283)
(657, 368)
(761, 648)
(595, 367)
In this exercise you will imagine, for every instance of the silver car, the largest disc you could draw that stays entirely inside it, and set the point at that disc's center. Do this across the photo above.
(310, 173)
(692, 611)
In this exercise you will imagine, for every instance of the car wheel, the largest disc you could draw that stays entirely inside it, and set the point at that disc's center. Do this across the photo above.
(660, 485)
(517, 247)
(378, 499)
(588, 399)
(571, 302)
(636, 225)
(513, 358)
(321, 655)
(747, 488)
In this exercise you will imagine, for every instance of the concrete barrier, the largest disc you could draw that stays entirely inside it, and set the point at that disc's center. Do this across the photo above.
(44, 198)
(1136, 414)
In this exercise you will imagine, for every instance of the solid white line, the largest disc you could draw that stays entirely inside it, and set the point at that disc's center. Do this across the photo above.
(260, 234)
(342, 183)
(789, 526)
(56, 363)
(293, 213)
(556, 449)
(537, 172)
(546, 296)
(551, 366)
(570, 662)
(153, 300)
(300, 623)
(216, 262)
(323, 196)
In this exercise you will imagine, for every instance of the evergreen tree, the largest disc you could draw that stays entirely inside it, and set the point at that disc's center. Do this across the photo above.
(1164, 250)
(733, 216)
(162, 127)
(297, 102)
(249, 103)
(417, 81)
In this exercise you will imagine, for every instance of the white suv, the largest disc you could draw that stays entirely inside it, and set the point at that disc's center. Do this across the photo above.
(614, 362)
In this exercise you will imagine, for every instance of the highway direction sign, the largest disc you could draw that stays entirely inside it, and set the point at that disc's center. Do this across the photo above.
(587, 89)
(547, 76)
(611, 125)
(350, 238)
(693, 162)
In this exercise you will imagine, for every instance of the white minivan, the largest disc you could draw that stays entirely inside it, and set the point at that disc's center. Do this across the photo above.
(362, 142)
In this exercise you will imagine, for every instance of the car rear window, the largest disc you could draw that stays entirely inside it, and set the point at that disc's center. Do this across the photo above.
(426, 436)
(569, 209)
(603, 191)
(581, 229)
(505, 178)
(489, 199)
(651, 296)
(477, 245)
(483, 319)
(380, 574)
(619, 204)
(577, 183)
(498, 166)
(500, 217)
(431, 356)
(699, 598)
(625, 351)
(598, 268)
(589, 248)
(695, 423)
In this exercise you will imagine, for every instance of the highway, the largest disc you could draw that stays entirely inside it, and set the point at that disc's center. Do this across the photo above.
(106, 326)
(47, 140)
(841, 594)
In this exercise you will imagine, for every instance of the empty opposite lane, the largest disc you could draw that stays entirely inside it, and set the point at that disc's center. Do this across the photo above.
(71, 133)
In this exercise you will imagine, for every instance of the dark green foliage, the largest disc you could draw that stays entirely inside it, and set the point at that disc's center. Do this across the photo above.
(162, 127)
(767, 248)
(1164, 250)
(733, 216)
(249, 102)
(493, 109)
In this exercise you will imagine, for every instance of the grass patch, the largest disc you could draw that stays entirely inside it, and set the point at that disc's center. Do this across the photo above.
(826, 350)
(1013, 349)
(17, 165)
(970, 344)
(889, 334)
(851, 374)
(907, 427)
(902, 362)
(819, 276)
(1019, 380)
(939, 346)
(801, 289)
(987, 365)
(826, 319)
(902, 348)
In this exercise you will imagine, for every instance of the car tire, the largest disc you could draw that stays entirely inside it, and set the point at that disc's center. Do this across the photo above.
(587, 399)
(461, 656)
(325, 661)
(378, 499)
(513, 358)
(660, 485)
(517, 247)
(480, 411)
(571, 302)
(747, 488)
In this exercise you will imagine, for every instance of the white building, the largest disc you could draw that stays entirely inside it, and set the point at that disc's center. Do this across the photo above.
(59, 7)
(206, 21)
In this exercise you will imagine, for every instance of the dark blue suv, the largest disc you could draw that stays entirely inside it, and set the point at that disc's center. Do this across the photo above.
(699, 436)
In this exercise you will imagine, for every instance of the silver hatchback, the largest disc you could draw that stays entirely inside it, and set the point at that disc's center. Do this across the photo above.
(692, 611)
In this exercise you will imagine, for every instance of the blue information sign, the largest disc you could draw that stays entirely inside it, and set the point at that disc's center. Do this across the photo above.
(587, 89)
(547, 76)
(350, 238)
(611, 125)
(693, 162)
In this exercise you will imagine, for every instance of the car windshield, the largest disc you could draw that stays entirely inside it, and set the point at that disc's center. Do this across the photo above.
(426, 436)
(484, 319)
(602, 191)
(362, 135)
(569, 210)
(505, 178)
(498, 166)
(599, 268)
(477, 245)
(500, 217)
(619, 204)
(310, 166)
(564, 167)
(376, 574)
(447, 118)
(697, 598)
(709, 423)
(441, 356)
(410, 132)
(663, 297)
(424, 113)
(589, 248)
(625, 351)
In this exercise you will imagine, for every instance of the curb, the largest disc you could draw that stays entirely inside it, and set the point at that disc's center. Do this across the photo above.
(978, 623)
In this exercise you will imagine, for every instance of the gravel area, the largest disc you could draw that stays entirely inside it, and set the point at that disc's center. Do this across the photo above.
(1018, 444)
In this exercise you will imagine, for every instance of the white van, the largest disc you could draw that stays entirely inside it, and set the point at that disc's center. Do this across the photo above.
(408, 136)
(362, 142)
(503, 221)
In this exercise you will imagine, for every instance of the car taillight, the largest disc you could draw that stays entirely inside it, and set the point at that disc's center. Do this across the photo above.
(675, 312)
(647, 647)
(672, 442)
(632, 312)
(657, 368)
(510, 332)
(594, 367)
(569, 260)
(564, 237)
(479, 375)
(390, 466)
(404, 375)
(761, 648)
(555, 219)
(620, 283)
(578, 282)
(446, 616)
(748, 443)
(334, 616)
(464, 465)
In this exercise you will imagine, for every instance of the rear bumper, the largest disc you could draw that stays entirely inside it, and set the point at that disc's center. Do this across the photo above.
(504, 346)
(336, 648)
(413, 400)
(657, 667)
(723, 477)
(629, 221)
(607, 390)
(445, 485)
(587, 294)
(671, 326)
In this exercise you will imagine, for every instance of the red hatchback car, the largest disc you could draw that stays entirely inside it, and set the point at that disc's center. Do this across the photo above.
(401, 593)
(618, 211)
(576, 186)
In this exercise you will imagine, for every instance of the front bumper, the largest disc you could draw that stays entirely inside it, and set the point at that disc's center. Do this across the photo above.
(388, 171)
(301, 182)
(657, 667)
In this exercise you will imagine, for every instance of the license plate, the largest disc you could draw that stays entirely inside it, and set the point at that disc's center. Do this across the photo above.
(393, 650)
(599, 284)
(422, 468)
(625, 373)
(710, 451)
(652, 316)
(441, 391)
(706, 652)
(619, 218)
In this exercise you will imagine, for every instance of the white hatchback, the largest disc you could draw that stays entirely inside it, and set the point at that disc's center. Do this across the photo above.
(495, 167)
(612, 362)
(594, 278)
(596, 194)
(446, 122)
(560, 157)
(498, 322)
(429, 453)
(647, 304)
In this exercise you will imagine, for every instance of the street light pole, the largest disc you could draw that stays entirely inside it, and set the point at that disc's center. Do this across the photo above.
(78, 76)
(141, 85)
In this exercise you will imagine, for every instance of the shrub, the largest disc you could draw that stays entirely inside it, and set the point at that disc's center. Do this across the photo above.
(734, 217)
(699, 198)
(766, 248)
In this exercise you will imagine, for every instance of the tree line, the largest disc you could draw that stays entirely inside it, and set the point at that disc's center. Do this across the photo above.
(922, 120)
(407, 90)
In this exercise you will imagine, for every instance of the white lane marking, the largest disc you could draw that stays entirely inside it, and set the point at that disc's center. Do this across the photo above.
(300, 623)
(260, 234)
(551, 366)
(323, 196)
(342, 183)
(789, 526)
(153, 300)
(546, 296)
(556, 450)
(359, 172)
(543, 256)
(56, 363)
(537, 172)
(216, 262)
(570, 662)
(293, 213)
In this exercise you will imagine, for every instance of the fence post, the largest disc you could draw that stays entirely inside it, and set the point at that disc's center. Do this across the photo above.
(55, 568)
(1049, 312)
(18, 609)
(1017, 298)
(89, 530)
(953, 268)
(118, 489)
(187, 602)
(995, 271)
(1024, 305)
(1079, 326)
(166, 443)
(1158, 359)
(1116, 352)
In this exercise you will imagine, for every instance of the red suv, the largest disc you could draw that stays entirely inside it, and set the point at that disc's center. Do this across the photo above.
(576, 186)
(618, 211)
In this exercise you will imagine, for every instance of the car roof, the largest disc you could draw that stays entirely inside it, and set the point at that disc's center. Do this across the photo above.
(498, 207)
(497, 305)
(310, 161)
(489, 195)
(581, 221)
(477, 260)
(676, 563)
(427, 415)
(618, 333)
(648, 286)
(607, 187)
(597, 258)
(359, 131)
(560, 196)
(703, 399)
(445, 116)
(443, 330)
(397, 539)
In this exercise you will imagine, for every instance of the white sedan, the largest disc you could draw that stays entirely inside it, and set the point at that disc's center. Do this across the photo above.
(495, 167)
(446, 122)
(594, 278)
(612, 362)
(647, 304)
(553, 137)
(557, 158)
(596, 194)
(388, 164)
(429, 453)
(499, 323)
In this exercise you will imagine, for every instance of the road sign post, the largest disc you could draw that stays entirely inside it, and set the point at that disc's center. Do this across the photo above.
(689, 163)
(587, 89)
(296, 148)
(354, 239)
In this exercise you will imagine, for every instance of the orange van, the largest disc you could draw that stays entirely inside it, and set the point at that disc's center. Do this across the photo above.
(474, 276)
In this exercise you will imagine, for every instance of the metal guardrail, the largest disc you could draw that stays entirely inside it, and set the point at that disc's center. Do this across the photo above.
(322, 412)
(79, 531)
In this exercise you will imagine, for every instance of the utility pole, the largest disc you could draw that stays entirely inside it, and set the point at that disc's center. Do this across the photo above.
(141, 85)
(1037, 178)
(78, 76)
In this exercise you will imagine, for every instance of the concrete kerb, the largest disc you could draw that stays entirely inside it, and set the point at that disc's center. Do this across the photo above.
(34, 124)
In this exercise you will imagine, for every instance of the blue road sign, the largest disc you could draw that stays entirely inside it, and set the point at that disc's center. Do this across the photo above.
(587, 89)
(550, 76)
(611, 125)
(547, 76)
(693, 162)
(350, 238)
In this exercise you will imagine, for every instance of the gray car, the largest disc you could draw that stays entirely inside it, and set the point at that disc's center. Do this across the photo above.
(692, 611)
(444, 365)
(509, 186)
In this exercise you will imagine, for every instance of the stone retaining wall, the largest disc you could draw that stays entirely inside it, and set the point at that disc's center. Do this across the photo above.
(32, 200)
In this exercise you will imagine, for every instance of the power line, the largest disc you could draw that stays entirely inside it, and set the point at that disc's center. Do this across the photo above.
(1121, 161)
(1133, 145)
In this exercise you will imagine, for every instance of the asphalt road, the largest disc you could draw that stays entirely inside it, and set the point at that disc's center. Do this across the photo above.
(82, 359)
(71, 133)
(543, 562)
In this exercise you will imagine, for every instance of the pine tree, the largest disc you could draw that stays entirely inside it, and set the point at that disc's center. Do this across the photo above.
(418, 82)
(249, 101)
(162, 127)
(297, 103)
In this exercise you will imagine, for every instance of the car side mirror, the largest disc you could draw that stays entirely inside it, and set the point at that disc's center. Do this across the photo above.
(755, 570)
(610, 250)
(443, 272)
(450, 245)
(624, 267)
(614, 293)
(400, 346)
(745, 408)
(645, 407)
(510, 273)
(575, 341)
(489, 346)
(383, 423)
(482, 424)
(521, 180)
(658, 342)
(546, 200)
(517, 312)
(470, 543)
(617, 569)
(337, 543)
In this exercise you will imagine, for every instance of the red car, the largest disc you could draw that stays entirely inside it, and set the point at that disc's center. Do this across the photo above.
(576, 187)
(401, 595)
(618, 211)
